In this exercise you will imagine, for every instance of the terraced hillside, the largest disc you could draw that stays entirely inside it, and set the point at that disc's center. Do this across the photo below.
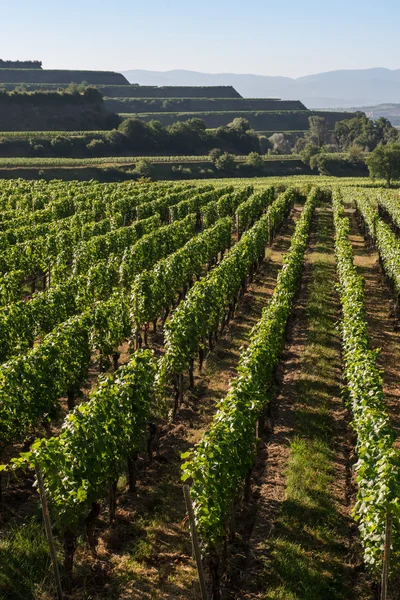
(215, 105)
(59, 76)
(185, 104)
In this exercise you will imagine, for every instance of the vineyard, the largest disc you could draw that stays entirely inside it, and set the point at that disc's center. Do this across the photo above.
(238, 340)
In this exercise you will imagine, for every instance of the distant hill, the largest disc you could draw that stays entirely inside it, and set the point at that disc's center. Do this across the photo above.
(389, 111)
(346, 89)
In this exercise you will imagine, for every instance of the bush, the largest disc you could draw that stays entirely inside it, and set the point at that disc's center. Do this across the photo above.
(319, 161)
(96, 147)
(265, 144)
(308, 152)
(356, 153)
(279, 143)
(144, 168)
(226, 162)
(214, 155)
(255, 160)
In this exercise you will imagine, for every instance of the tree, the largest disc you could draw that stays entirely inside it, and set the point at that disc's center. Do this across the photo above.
(319, 161)
(240, 124)
(265, 144)
(300, 144)
(226, 162)
(356, 153)
(92, 94)
(385, 130)
(214, 155)
(318, 132)
(138, 135)
(308, 152)
(279, 143)
(364, 132)
(384, 162)
(255, 161)
(144, 167)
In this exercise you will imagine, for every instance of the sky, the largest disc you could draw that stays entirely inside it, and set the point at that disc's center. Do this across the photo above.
(282, 37)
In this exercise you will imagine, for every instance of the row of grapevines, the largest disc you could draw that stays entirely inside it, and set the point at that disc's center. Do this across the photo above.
(206, 302)
(21, 322)
(33, 265)
(377, 468)
(98, 441)
(389, 201)
(220, 462)
(69, 198)
(99, 247)
(248, 212)
(31, 384)
(40, 254)
(386, 241)
(224, 206)
(195, 203)
(105, 324)
(81, 222)
(154, 291)
(161, 205)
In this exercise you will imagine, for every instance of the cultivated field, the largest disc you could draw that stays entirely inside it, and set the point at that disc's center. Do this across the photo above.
(240, 337)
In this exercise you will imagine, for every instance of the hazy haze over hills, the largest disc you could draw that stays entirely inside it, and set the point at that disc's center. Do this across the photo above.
(323, 90)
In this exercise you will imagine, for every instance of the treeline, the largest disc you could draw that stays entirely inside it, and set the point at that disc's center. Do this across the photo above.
(348, 146)
(135, 137)
(20, 64)
(72, 95)
(278, 120)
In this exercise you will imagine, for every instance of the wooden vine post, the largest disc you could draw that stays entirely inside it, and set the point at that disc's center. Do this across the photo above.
(49, 533)
(195, 542)
(386, 558)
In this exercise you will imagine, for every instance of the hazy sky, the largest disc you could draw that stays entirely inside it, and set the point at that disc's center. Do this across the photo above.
(280, 37)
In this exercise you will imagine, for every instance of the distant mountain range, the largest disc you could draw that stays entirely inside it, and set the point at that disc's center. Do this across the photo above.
(344, 89)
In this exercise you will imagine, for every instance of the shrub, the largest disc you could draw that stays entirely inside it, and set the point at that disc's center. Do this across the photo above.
(255, 160)
(96, 147)
(279, 143)
(144, 168)
(308, 152)
(226, 162)
(214, 155)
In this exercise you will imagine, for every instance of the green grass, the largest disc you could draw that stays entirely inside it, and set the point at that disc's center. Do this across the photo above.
(25, 568)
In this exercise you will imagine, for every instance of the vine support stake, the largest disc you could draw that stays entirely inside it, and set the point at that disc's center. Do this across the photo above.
(386, 558)
(49, 533)
(195, 542)
(180, 389)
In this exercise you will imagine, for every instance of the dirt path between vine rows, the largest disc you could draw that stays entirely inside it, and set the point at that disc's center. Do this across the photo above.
(148, 554)
(303, 543)
(383, 324)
